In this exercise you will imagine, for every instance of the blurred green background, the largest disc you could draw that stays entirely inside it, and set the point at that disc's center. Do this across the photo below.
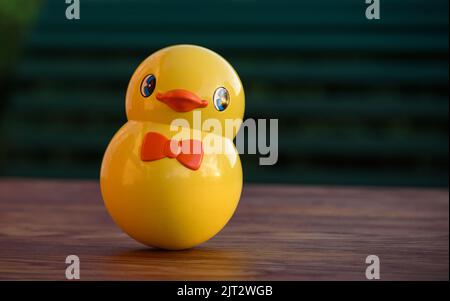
(359, 102)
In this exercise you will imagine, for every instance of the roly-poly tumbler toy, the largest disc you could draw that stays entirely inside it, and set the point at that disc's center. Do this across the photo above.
(169, 192)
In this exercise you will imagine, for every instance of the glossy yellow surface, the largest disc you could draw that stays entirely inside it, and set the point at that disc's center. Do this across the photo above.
(188, 67)
(162, 203)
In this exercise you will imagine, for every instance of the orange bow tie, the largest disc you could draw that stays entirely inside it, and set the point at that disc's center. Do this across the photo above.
(188, 152)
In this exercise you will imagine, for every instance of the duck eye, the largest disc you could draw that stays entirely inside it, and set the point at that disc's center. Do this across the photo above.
(221, 99)
(148, 85)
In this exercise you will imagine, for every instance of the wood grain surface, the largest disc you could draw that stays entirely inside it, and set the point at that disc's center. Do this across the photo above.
(277, 233)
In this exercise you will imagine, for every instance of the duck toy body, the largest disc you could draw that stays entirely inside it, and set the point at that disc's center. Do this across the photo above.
(159, 183)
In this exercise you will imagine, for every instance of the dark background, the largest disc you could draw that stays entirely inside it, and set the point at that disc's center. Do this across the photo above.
(359, 102)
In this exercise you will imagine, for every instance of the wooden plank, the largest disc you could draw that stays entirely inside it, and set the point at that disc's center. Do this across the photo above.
(59, 138)
(270, 18)
(62, 169)
(135, 5)
(415, 33)
(313, 70)
(313, 175)
(314, 233)
(287, 22)
(414, 145)
(208, 14)
(349, 175)
(297, 105)
(81, 139)
(370, 42)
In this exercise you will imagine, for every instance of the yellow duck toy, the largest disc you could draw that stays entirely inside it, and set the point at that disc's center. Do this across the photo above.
(162, 187)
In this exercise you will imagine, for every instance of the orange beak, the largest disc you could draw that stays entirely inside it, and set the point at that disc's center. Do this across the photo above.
(181, 100)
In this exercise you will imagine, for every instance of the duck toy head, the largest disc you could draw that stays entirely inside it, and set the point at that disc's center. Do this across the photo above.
(159, 182)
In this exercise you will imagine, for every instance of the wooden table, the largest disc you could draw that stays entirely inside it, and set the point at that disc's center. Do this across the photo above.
(277, 233)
